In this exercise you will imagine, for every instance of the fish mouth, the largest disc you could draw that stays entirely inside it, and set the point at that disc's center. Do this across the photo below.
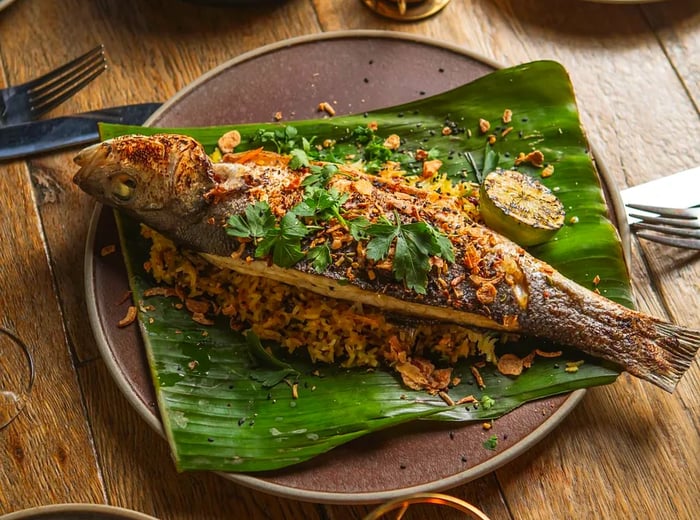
(91, 160)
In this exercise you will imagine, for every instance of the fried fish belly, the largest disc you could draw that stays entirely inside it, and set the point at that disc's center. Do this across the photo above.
(169, 183)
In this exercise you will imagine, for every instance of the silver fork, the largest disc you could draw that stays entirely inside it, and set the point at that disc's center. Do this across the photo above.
(669, 226)
(30, 100)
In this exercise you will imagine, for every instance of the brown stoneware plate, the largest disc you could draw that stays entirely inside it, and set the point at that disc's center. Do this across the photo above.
(76, 512)
(355, 71)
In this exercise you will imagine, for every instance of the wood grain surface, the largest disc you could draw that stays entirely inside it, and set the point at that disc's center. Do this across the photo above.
(629, 450)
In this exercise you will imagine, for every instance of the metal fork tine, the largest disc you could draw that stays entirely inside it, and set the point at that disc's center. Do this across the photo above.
(684, 223)
(677, 231)
(50, 76)
(685, 243)
(56, 97)
(665, 212)
(70, 77)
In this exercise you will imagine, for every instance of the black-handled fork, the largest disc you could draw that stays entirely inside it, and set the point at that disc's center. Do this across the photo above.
(29, 101)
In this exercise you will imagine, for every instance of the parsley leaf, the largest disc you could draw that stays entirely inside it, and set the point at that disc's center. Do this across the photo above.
(299, 159)
(284, 241)
(415, 244)
(320, 257)
(320, 175)
(257, 220)
(321, 204)
(358, 227)
(383, 234)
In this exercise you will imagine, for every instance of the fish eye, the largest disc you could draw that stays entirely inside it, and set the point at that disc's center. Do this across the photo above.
(123, 187)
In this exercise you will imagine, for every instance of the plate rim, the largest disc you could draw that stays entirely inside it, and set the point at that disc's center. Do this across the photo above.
(250, 480)
(32, 512)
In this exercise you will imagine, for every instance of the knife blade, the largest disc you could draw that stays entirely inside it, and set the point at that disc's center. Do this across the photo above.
(680, 190)
(45, 135)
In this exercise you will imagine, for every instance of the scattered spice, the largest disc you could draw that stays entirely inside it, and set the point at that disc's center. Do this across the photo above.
(278, 116)
(548, 171)
(596, 280)
(573, 220)
(295, 391)
(486, 425)
(446, 130)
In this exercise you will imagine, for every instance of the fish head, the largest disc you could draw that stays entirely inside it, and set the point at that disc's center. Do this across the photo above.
(159, 179)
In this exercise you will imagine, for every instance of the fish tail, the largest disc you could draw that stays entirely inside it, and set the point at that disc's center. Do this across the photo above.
(677, 347)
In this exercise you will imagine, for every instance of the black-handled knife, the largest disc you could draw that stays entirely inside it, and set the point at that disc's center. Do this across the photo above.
(45, 135)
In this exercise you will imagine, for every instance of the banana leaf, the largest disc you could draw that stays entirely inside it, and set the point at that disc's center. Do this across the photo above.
(227, 404)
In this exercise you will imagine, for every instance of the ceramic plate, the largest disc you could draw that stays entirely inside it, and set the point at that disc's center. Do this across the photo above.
(356, 72)
(76, 512)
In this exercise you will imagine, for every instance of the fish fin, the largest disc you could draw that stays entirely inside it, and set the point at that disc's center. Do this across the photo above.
(680, 345)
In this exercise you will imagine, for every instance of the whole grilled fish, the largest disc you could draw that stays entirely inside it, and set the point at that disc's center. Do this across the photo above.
(169, 183)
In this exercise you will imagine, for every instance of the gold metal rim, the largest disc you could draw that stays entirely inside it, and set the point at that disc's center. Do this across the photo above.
(405, 10)
(401, 505)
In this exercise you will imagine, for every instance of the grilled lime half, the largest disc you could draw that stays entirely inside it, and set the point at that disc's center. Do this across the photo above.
(520, 207)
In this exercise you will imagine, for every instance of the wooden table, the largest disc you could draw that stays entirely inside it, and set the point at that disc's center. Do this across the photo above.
(629, 450)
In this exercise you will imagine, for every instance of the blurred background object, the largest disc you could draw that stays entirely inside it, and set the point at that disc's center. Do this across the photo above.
(406, 10)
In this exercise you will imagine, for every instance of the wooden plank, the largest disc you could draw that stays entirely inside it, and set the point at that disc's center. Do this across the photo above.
(47, 451)
(139, 472)
(676, 24)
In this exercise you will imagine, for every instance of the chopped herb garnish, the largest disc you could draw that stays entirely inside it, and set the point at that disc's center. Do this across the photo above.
(487, 402)
(491, 443)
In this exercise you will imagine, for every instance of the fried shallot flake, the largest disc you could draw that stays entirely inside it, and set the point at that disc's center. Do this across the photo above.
(108, 250)
(546, 354)
(484, 125)
(228, 142)
(392, 142)
(535, 158)
(326, 107)
(507, 115)
(129, 318)
(477, 375)
(510, 365)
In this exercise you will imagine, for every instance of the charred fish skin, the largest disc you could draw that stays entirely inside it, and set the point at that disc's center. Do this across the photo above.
(493, 283)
